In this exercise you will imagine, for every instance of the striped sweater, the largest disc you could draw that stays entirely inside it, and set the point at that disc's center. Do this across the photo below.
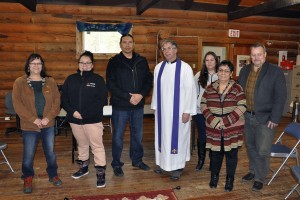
(230, 112)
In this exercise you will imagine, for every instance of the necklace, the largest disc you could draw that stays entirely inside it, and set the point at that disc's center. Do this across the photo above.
(29, 81)
(222, 95)
(224, 88)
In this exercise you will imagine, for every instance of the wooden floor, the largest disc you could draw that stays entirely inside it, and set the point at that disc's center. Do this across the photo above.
(194, 185)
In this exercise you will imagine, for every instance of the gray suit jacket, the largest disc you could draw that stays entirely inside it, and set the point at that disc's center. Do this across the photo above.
(269, 94)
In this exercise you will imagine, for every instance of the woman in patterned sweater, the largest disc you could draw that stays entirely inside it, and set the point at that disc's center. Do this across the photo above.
(223, 105)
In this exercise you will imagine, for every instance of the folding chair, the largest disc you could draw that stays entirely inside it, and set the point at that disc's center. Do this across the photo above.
(107, 112)
(280, 150)
(74, 148)
(61, 122)
(2, 147)
(296, 173)
(9, 110)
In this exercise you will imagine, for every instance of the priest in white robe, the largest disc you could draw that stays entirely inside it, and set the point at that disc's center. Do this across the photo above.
(174, 100)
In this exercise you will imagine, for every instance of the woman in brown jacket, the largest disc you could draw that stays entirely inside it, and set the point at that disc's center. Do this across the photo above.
(36, 100)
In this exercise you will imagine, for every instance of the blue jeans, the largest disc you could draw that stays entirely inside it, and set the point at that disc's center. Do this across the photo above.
(259, 139)
(119, 121)
(30, 140)
(200, 122)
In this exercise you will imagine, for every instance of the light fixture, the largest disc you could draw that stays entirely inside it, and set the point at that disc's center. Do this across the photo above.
(269, 42)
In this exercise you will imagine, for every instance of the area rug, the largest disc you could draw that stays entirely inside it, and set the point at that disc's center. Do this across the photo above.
(151, 195)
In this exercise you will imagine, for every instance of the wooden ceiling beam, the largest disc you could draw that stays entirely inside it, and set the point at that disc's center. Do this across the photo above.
(137, 2)
(179, 5)
(30, 4)
(284, 13)
(64, 2)
(143, 5)
(187, 4)
(266, 7)
(90, 2)
(233, 5)
(274, 8)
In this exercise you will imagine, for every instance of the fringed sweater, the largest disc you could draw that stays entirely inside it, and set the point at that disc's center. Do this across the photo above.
(230, 111)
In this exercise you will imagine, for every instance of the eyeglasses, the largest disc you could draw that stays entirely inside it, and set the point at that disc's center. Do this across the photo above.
(226, 71)
(83, 63)
(36, 64)
(168, 48)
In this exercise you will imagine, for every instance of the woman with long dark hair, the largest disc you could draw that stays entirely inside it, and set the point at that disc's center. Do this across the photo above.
(205, 77)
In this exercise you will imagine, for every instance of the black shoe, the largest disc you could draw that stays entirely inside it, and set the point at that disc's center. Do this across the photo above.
(199, 165)
(248, 177)
(175, 175)
(257, 186)
(81, 172)
(142, 166)
(100, 174)
(214, 179)
(118, 171)
(83, 169)
(158, 171)
(229, 183)
(201, 155)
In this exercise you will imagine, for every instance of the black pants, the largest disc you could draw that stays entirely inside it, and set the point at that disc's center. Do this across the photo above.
(231, 160)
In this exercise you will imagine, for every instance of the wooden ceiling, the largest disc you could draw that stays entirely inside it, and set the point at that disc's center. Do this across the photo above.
(235, 9)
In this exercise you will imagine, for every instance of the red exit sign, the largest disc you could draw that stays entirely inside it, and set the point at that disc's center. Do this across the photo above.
(233, 33)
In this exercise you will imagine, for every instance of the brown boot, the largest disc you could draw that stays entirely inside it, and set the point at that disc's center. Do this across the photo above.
(27, 185)
(55, 181)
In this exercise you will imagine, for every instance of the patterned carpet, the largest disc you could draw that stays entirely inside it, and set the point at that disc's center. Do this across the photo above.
(151, 195)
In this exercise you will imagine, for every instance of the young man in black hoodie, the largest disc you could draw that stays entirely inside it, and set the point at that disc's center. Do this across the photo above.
(129, 80)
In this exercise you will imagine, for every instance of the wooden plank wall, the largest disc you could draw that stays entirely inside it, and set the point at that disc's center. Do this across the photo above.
(51, 32)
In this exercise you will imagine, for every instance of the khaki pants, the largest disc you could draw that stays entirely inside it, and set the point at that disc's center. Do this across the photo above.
(90, 135)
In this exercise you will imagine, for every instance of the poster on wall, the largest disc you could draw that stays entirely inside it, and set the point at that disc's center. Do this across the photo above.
(241, 61)
(219, 51)
(282, 56)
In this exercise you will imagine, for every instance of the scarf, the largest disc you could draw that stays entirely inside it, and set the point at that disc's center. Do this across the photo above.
(174, 142)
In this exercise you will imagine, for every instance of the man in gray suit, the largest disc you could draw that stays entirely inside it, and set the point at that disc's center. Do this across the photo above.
(265, 90)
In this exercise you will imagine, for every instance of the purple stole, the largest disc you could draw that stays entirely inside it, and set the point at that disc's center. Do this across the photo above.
(174, 143)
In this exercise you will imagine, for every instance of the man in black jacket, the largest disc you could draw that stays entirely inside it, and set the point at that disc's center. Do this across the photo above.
(129, 80)
(265, 90)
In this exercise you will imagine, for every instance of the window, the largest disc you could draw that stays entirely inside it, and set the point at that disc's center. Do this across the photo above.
(101, 42)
